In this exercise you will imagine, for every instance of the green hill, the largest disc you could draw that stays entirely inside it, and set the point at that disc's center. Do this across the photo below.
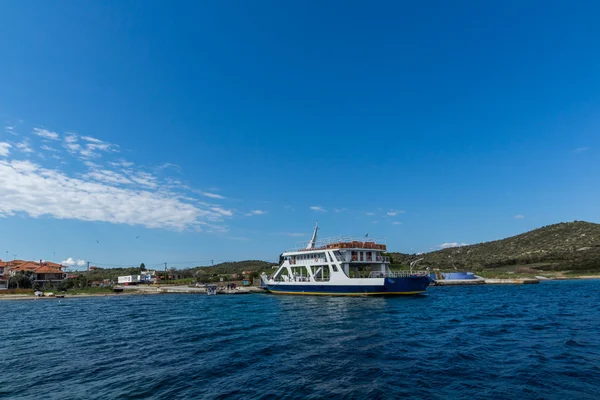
(570, 246)
(236, 267)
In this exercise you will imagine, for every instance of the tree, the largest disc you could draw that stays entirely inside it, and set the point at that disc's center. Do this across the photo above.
(82, 281)
(21, 280)
(142, 267)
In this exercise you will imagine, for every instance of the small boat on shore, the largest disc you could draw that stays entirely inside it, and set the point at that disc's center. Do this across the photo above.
(342, 267)
(210, 290)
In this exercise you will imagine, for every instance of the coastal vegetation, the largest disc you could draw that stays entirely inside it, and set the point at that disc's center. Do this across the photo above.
(559, 250)
(571, 248)
(254, 267)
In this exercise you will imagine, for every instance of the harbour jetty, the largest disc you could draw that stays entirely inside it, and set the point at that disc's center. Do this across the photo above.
(478, 280)
(522, 281)
(459, 282)
(182, 289)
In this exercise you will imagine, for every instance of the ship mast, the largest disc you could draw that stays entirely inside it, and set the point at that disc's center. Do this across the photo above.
(313, 240)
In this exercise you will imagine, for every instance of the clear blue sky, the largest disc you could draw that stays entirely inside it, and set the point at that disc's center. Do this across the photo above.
(222, 130)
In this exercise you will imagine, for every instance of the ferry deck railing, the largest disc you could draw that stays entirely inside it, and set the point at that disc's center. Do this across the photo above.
(321, 243)
(397, 274)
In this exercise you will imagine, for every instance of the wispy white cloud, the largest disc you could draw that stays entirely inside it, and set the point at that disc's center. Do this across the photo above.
(580, 150)
(393, 213)
(255, 212)
(370, 214)
(339, 210)
(36, 191)
(396, 223)
(71, 138)
(71, 262)
(4, 149)
(10, 130)
(45, 133)
(121, 163)
(519, 216)
(91, 139)
(221, 211)
(92, 148)
(24, 147)
(70, 143)
(169, 165)
(108, 176)
(115, 191)
(451, 244)
(318, 209)
(48, 148)
(212, 195)
(143, 178)
(91, 164)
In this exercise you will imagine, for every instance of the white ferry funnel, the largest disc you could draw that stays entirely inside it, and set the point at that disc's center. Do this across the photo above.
(313, 240)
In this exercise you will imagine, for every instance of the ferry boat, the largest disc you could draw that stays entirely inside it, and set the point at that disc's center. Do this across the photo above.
(342, 267)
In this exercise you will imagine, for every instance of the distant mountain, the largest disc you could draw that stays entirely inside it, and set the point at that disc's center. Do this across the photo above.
(567, 246)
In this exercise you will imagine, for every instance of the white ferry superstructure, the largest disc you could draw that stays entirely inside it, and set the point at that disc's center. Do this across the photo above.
(343, 267)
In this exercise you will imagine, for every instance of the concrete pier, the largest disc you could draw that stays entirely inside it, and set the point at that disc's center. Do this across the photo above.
(459, 282)
(480, 281)
(517, 281)
(191, 289)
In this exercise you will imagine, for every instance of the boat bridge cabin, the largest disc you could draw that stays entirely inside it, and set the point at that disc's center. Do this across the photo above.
(352, 258)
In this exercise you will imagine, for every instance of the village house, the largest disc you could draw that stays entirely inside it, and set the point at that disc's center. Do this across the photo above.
(5, 267)
(43, 271)
(3, 275)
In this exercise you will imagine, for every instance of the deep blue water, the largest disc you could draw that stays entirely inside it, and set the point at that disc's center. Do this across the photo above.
(500, 342)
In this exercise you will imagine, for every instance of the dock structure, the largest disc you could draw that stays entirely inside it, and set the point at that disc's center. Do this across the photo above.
(191, 289)
(459, 282)
(517, 281)
(484, 281)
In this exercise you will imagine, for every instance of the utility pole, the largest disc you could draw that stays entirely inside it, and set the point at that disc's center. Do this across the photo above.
(212, 262)
(88, 267)
(166, 274)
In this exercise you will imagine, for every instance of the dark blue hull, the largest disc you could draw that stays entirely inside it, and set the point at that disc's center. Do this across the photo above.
(391, 286)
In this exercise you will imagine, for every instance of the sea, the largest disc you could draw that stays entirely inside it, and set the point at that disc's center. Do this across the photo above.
(471, 342)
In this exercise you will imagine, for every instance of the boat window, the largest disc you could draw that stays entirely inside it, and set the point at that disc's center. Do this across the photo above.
(320, 273)
(282, 275)
(338, 256)
(335, 269)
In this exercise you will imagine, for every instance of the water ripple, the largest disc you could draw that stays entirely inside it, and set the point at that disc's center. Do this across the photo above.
(489, 342)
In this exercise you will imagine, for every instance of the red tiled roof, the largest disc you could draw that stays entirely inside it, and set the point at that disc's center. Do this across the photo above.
(52, 264)
(20, 265)
(26, 266)
(44, 269)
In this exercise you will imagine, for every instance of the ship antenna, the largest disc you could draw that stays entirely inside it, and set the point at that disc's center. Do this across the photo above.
(313, 240)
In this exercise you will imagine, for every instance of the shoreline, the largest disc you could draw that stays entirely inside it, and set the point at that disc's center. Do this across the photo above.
(31, 297)
(138, 292)
(129, 291)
